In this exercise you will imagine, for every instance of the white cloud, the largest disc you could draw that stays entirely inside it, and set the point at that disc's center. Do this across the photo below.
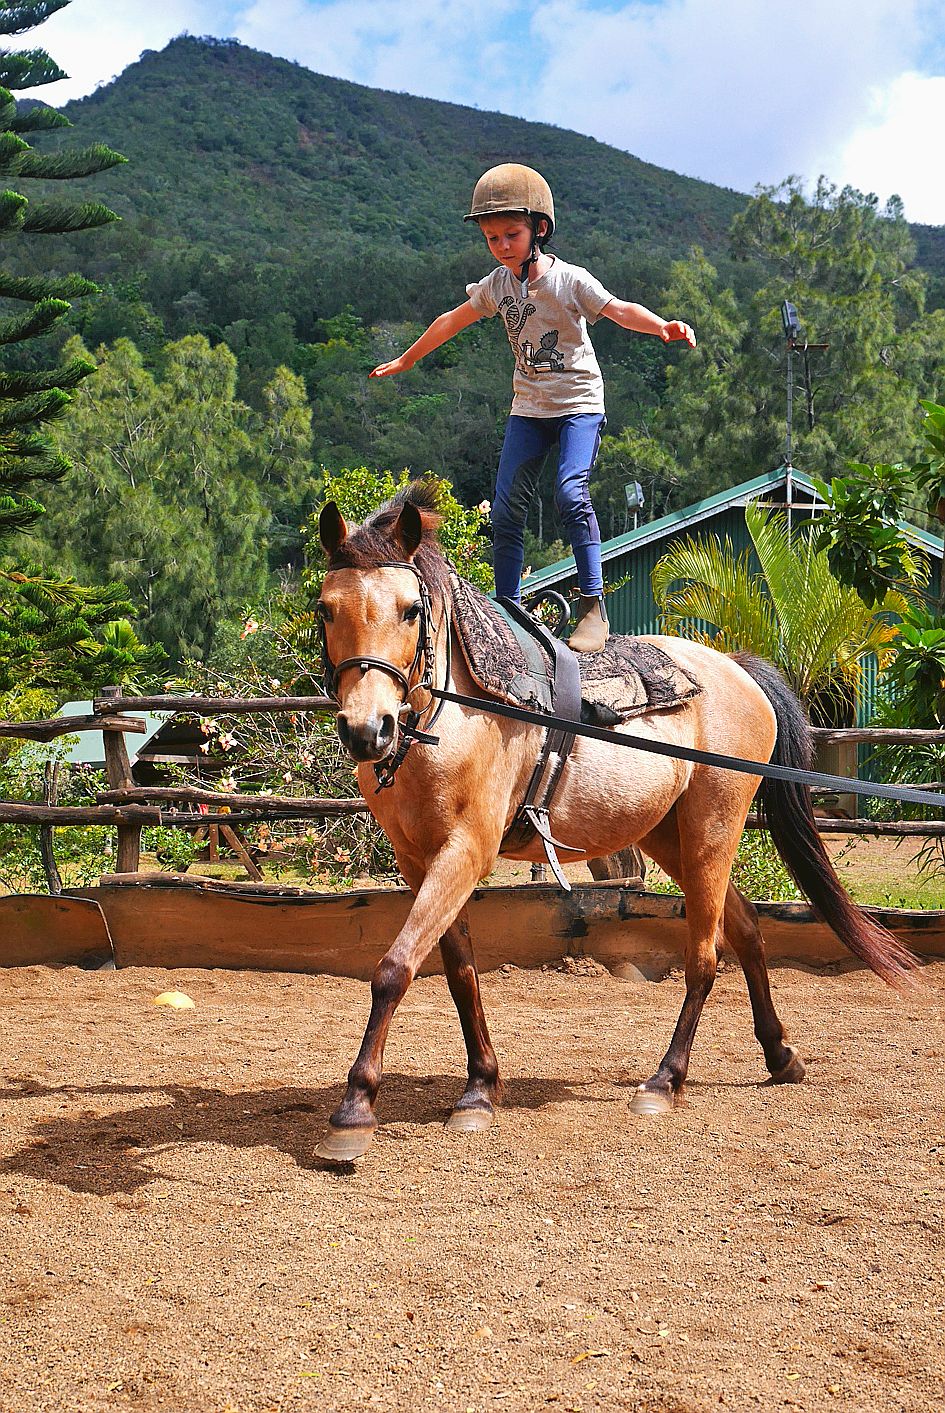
(93, 40)
(736, 91)
(898, 150)
(463, 51)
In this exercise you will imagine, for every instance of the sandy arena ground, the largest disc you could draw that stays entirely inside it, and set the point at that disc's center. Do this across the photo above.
(169, 1241)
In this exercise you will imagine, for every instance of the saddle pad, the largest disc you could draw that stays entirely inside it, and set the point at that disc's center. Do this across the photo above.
(628, 677)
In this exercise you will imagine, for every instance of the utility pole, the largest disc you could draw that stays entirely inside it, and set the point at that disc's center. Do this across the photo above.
(796, 341)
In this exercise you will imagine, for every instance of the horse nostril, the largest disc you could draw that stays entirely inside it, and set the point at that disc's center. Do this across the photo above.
(341, 726)
(386, 733)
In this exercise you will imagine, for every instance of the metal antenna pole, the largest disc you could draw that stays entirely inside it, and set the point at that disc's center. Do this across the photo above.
(790, 401)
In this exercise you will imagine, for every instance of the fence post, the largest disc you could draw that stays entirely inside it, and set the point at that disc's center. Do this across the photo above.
(47, 850)
(118, 774)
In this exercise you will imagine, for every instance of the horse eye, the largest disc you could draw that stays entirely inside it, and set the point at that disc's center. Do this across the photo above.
(412, 613)
(323, 611)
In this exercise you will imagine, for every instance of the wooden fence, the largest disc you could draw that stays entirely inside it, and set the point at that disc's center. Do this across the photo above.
(129, 807)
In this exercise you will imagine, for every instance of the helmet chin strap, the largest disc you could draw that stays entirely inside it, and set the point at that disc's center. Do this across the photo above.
(532, 258)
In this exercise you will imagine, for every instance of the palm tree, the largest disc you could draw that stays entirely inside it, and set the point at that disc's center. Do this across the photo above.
(794, 612)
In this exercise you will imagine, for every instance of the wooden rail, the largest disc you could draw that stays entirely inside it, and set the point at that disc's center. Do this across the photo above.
(877, 736)
(66, 725)
(303, 806)
(212, 706)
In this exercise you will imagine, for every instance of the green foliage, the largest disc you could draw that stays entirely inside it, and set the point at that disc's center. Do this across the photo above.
(916, 676)
(930, 474)
(53, 632)
(758, 871)
(867, 550)
(83, 853)
(863, 544)
(358, 491)
(793, 612)
(635, 456)
(58, 634)
(192, 479)
(849, 269)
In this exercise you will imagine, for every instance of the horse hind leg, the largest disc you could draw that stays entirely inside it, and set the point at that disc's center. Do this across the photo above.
(743, 934)
(703, 885)
(474, 1110)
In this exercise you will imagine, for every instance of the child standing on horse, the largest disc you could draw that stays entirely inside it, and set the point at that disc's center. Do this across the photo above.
(558, 390)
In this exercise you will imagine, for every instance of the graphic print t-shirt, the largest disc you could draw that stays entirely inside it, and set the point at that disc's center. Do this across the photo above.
(556, 370)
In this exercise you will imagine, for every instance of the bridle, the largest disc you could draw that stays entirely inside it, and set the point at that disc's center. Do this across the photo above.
(424, 662)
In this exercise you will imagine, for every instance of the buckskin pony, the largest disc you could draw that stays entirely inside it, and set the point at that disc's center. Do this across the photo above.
(385, 608)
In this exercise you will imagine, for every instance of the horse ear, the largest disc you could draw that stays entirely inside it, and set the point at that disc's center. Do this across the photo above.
(332, 530)
(409, 530)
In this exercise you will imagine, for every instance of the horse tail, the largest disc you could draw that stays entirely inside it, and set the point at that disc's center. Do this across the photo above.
(785, 810)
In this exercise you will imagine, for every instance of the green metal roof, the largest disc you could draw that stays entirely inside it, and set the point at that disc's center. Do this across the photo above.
(702, 510)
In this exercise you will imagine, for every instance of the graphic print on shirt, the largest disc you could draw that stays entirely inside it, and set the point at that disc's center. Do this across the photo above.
(515, 316)
(547, 357)
(547, 352)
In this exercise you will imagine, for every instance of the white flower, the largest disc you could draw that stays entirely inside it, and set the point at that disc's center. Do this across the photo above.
(484, 508)
(287, 776)
(227, 740)
(274, 683)
(250, 626)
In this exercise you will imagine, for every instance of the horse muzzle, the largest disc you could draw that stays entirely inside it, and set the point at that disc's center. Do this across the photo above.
(369, 740)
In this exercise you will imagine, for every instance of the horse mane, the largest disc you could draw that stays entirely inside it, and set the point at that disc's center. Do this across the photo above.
(374, 544)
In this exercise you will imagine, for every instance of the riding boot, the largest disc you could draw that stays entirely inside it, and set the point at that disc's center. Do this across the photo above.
(591, 629)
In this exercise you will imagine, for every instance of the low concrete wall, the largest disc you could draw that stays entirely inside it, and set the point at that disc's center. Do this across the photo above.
(160, 920)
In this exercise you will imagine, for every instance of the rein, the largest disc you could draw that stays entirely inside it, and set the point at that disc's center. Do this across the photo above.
(424, 661)
(839, 783)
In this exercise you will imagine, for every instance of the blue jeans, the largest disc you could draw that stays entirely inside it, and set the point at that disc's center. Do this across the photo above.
(527, 440)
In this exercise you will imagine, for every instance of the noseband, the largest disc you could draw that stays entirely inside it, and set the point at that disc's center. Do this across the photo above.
(424, 662)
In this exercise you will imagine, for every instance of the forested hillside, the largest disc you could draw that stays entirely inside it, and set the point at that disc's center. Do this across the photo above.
(314, 225)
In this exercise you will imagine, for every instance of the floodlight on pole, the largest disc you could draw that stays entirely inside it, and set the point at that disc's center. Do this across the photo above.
(635, 499)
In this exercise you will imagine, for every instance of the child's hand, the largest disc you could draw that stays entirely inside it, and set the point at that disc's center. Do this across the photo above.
(676, 329)
(387, 370)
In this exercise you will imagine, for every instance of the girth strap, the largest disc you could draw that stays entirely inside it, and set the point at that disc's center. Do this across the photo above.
(532, 815)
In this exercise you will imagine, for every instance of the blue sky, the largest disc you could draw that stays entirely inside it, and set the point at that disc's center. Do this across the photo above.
(735, 91)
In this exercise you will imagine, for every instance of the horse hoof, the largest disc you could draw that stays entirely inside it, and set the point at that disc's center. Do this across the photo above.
(474, 1119)
(343, 1145)
(649, 1103)
(791, 1073)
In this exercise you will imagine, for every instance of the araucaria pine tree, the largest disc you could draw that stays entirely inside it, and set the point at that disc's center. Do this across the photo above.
(53, 632)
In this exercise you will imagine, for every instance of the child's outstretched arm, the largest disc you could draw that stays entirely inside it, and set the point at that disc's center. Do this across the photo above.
(643, 321)
(442, 328)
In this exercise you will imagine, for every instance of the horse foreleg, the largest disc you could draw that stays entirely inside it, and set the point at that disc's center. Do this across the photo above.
(474, 1109)
(743, 935)
(444, 890)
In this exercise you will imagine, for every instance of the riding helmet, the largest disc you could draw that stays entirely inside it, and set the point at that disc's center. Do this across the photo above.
(512, 187)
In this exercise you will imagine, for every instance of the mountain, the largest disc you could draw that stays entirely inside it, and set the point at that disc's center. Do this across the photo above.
(248, 153)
